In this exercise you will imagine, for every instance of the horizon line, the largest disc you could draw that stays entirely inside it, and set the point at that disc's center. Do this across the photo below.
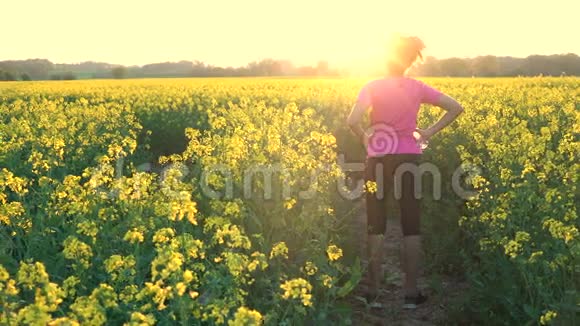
(274, 59)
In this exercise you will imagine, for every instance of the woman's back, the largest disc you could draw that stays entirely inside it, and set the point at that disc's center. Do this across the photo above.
(395, 103)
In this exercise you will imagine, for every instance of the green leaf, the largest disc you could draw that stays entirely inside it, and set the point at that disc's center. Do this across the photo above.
(355, 277)
(530, 311)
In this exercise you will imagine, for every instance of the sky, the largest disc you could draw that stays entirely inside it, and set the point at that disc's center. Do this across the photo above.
(235, 32)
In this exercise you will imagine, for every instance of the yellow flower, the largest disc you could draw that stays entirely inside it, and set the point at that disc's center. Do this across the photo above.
(310, 268)
(166, 263)
(50, 296)
(88, 228)
(371, 187)
(87, 310)
(193, 294)
(11, 288)
(139, 319)
(163, 235)
(187, 276)
(327, 281)
(259, 260)
(298, 288)
(160, 293)
(290, 203)
(180, 287)
(279, 250)
(187, 209)
(190, 210)
(105, 295)
(3, 274)
(120, 268)
(32, 275)
(63, 321)
(548, 317)
(232, 209)
(69, 285)
(128, 293)
(4, 219)
(334, 252)
(78, 251)
(134, 236)
(237, 239)
(246, 317)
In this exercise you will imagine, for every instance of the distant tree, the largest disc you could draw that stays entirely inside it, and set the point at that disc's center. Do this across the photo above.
(199, 69)
(35, 68)
(549, 65)
(510, 66)
(25, 77)
(429, 67)
(168, 69)
(485, 66)
(119, 72)
(63, 76)
(454, 67)
(275, 68)
(570, 64)
(8, 76)
(68, 76)
(266, 67)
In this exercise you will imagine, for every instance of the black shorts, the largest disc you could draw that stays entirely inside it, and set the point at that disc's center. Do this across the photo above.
(402, 186)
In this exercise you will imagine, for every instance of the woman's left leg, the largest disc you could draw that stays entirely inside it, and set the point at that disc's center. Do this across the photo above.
(410, 223)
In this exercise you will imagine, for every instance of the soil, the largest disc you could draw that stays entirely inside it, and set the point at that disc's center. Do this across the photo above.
(441, 289)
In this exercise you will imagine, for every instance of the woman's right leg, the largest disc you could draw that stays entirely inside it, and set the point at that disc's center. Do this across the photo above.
(410, 223)
(412, 251)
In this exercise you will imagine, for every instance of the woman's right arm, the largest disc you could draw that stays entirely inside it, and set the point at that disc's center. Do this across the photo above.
(452, 110)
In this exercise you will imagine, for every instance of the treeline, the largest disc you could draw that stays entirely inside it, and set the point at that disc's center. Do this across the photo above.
(483, 66)
(267, 67)
(41, 69)
(492, 66)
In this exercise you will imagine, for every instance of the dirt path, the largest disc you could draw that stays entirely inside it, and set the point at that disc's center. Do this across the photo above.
(432, 312)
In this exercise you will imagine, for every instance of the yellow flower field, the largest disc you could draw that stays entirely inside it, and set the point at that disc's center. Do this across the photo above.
(221, 201)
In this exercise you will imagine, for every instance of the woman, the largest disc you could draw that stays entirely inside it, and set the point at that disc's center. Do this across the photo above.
(394, 140)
